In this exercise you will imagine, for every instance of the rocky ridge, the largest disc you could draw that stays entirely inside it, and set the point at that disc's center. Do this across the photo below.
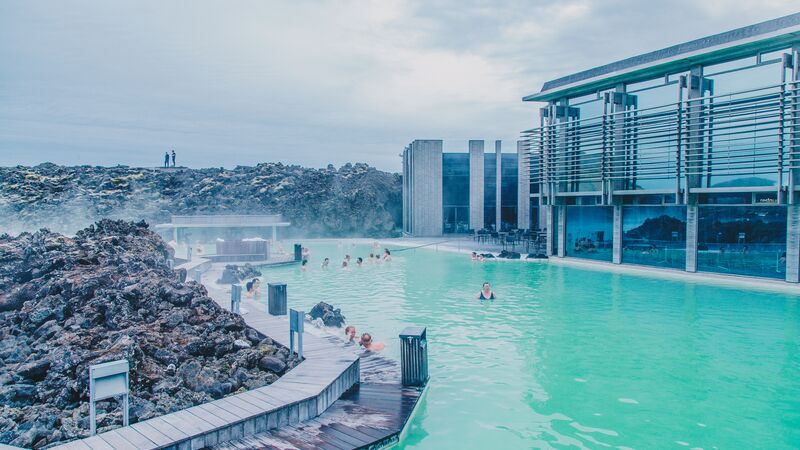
(105, 294)
(354, 200)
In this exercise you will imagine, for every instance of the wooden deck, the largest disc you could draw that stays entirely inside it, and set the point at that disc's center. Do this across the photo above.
(303, 393)
(370, 415)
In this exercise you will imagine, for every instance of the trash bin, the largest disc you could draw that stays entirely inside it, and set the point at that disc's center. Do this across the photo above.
(298, 252)
(414, 356)
(277, 299)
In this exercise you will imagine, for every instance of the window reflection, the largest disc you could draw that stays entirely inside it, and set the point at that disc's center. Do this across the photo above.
(589, 232)
(654, 235)
(747, 240)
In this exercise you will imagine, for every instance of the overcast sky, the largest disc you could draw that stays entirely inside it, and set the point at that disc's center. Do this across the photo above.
(241, 82)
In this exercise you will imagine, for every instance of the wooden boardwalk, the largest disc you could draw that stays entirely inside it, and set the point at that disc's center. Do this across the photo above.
(372, 414)
(303, 393)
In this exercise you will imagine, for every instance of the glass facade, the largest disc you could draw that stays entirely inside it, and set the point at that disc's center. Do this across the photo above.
(718, 134)
(455, 192)
(589, 232)
(745, 240)
(654, 235)
(508, 191)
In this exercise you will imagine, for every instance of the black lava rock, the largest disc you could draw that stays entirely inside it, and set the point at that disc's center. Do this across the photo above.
(330, 317)
(106, 294)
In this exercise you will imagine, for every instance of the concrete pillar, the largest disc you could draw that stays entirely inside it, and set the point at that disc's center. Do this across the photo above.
(616, 254)
(498, 188)
(548, 210)
(562, 231)
(691, 237)
(476, 181)
(793, 243)
(523, 188)
(424, 194)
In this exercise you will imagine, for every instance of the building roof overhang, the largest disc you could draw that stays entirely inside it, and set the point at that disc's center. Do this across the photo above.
(762, 37)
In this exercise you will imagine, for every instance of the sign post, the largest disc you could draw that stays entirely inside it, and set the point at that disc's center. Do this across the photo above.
(236, 298)
(108, 380)
(296, 319)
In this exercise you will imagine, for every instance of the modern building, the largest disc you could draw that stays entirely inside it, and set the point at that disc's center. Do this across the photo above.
(446, 193)
(686, 157)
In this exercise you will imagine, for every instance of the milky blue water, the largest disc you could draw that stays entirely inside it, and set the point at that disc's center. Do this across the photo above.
(574, 358)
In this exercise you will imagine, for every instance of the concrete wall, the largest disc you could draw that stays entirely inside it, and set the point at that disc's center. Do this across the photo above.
(523, 188)
(476, 185)
(425, 188)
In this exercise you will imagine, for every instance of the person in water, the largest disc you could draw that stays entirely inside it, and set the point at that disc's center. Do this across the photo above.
(344, 265)
(371, 257)
(387, 255)
(486, 292)
(325, 263)
(366, 342)
(350, 335)
(359, 261)
(253, 287)
(304, 265)
(474, 256)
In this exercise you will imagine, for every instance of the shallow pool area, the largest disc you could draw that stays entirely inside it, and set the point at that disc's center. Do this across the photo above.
(572, 358)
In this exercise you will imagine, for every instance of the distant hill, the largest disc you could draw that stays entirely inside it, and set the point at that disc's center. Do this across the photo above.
(658, 229)
(354, 200)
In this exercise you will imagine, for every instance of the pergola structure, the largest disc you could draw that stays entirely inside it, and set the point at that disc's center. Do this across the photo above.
(226, 221)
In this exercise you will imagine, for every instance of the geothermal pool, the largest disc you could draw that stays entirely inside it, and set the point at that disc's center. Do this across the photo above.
(569, 357)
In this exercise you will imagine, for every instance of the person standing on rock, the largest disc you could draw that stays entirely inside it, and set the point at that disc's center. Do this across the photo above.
(166, 159)
(173, 157)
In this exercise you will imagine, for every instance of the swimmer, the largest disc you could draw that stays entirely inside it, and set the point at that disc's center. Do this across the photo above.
(350, 335)
(474, 256)
(325, 263)
(304, 265)
(387, 255)
(366, 342)
(371, 256)
(344, 265)
(305, 253)
(359, 261)
(253, 287)
(486, 293)
(347, 258)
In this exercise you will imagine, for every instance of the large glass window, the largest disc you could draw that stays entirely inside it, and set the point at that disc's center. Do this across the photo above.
(654, 235)
(455, 192)
(508, 191)
(589, 232)
(747, 240)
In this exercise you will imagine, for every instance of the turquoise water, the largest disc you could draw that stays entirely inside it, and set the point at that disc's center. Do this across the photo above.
(574, 358)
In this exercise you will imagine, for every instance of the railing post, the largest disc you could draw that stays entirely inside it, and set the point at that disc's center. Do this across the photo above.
(236, 298)
(296, 320)
(414, 356)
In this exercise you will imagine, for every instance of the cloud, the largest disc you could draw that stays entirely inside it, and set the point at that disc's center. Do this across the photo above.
(226, 83)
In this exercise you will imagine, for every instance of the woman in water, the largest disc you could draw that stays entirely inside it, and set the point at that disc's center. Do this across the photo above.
(325, 263)
(366, 342)
(486, 293)
(304, 265)
(344, 265)
(253, 287)
(359, 261)
(387, 255)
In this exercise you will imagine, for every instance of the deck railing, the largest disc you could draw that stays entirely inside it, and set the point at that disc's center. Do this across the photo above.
(736, 140)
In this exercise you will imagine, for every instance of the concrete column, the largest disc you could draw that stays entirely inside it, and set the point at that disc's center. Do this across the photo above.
(616, 255)
(523, 188)
(793, 243)
(499, 158)
(425, 189)
(691, 237)
(548, 210)
(562, 231)
(476, 181)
